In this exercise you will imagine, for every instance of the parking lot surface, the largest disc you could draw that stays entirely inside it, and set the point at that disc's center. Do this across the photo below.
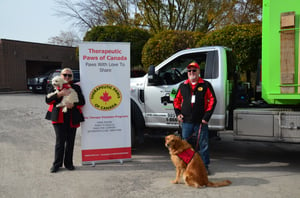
(256, 169)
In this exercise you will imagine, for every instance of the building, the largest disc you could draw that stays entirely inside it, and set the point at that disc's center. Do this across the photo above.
(21, 60)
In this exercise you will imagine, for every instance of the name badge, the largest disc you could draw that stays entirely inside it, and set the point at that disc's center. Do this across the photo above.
(193, 99)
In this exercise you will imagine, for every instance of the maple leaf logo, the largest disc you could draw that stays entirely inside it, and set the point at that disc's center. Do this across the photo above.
(105, 97)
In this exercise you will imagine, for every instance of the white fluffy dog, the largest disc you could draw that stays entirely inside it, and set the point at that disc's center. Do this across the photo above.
(59, 84)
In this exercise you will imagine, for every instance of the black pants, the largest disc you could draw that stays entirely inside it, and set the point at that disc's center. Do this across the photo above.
(64, 145)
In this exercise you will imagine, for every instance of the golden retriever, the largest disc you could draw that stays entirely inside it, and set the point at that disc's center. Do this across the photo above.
(193, 170)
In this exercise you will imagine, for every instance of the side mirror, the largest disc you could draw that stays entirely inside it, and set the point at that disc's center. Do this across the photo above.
(152, 77)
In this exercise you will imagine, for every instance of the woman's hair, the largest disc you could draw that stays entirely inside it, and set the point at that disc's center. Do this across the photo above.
(67, 69)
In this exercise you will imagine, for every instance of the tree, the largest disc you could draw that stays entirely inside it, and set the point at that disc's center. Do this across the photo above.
(191, 15)
(248, 11)
(243, 12)
(244, 40)
(159, 15)
(65, 38)
(136, 36)
(162, 45)
(117, 12)
(87, 14)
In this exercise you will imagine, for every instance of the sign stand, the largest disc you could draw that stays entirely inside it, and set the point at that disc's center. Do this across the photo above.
(105, 84)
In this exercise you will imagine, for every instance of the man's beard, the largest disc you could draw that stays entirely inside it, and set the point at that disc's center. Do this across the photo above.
(193, 77)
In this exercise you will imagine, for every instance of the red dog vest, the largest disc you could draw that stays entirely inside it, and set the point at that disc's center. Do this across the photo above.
(186, 155)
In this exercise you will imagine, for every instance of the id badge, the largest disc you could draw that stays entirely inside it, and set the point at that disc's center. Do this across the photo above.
(193, 99)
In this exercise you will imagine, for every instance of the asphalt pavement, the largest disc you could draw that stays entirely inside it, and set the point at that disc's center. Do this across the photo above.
(256, 169)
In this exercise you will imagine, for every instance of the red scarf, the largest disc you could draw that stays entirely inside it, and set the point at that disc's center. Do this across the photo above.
(65, 86)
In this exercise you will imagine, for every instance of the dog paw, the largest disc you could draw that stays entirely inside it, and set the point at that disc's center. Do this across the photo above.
(175, 182)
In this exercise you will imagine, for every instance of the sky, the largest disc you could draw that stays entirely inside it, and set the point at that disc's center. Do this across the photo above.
(31, 20)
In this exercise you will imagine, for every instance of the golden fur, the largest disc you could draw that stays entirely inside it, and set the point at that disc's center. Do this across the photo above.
(194, 173)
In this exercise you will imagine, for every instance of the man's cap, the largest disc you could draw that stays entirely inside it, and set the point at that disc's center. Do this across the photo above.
(193, 64)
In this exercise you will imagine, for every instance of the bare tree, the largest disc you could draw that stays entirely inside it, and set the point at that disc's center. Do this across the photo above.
(87, 14)
(192, 15)
(158, 15)
(117, 12)
(248, 11)
(65, 39)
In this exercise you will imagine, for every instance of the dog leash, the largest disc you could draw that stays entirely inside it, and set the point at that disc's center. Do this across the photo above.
(198, 136)
(179, 132)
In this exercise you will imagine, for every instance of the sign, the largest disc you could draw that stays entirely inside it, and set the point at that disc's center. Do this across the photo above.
(105, 84)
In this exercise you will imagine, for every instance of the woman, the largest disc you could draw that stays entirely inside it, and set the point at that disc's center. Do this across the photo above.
(65, 124)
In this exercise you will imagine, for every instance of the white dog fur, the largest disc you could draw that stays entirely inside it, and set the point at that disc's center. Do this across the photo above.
(58, 83)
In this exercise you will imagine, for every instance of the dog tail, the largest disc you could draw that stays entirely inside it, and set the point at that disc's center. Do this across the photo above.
(219, 183)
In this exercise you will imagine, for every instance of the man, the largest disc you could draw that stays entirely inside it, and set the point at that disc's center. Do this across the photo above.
(194, 104)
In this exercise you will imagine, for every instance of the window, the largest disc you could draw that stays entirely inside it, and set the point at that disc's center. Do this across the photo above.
(176, 71)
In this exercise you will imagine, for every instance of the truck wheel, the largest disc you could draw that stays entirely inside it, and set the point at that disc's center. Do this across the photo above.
(132, 136)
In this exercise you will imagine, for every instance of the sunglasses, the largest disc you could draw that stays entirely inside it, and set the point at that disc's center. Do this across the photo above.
(192, 70)
(69, 75)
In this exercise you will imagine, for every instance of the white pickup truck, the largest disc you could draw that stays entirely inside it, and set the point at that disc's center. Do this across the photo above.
(152, 95)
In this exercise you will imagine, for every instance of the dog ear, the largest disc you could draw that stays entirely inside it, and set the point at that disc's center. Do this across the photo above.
(177, 134)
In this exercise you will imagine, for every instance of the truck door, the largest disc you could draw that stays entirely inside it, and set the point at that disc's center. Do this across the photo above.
(159, 96)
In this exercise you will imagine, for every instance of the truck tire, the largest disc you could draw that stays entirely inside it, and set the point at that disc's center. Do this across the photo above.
(133, 142)
(137, 124)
